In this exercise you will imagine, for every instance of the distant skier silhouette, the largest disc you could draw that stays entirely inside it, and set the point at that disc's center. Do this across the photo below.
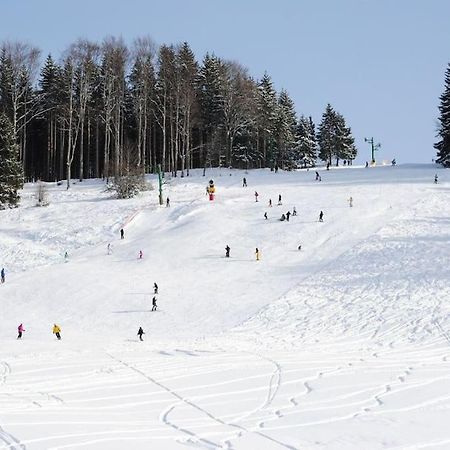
(140, 333)
(154, 305)
(57, 331)
(227, 251)
(122, 234)
(20, 330)
(155, 288)
(321, 216)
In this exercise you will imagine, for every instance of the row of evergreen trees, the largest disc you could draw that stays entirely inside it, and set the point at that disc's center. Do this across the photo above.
(104, 106)
(443, 145)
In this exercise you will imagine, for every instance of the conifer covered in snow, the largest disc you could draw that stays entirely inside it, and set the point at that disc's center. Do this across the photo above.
(305, 143)
(443, 145)
(334, 138)
(11, 176)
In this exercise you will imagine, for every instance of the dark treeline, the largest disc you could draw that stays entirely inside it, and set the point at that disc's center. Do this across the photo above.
(102, 107)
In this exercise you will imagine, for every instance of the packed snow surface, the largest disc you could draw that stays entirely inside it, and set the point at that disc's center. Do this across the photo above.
(344, 344)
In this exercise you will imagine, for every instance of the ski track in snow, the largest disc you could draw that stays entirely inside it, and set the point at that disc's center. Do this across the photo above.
(344, 345)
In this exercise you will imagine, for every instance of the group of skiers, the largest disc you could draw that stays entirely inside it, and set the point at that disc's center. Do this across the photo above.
(56, 331)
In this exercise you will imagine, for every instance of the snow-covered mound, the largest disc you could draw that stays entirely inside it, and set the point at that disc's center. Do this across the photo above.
(340, 345)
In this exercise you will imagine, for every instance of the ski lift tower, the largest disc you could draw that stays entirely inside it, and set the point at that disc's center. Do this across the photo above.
(374, 148)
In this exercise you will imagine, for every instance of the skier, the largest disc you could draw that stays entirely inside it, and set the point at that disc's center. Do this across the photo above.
(167, 202)
(435, 179)
(257, 254)
(155, 288)
(270, 203)
(57, 331)
(367, 164)
(299, 247)
(265, 215)
(256, 196)
(154, 306)
(276, 168)
(294, 212)
(122, 234)
(109, 249)
(394, 162)
(282, 218)
(141, 255)
(279, 200)
(288, 214)
(328, 166)
(2, 275)
(350, 202)
(317, 176)
(140, 333)
(321, 216)
(227, 251)
(20, 330)
(244, 182)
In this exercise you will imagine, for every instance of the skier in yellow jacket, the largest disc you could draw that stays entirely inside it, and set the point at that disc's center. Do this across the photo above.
(57, 331)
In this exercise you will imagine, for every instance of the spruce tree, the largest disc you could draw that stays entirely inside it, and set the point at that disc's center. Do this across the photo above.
(11, 175)
(267, 116)
(326, 134)
(305, 143)
(443, 145)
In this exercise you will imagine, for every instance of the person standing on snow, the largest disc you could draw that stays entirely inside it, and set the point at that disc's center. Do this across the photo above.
(321, 216)
(279, 200)
(317, 176)
(20, 330)
(265, 215)
(435, 179)
(270, 203)
(227, 251)
(154, 306)
(288, 214)
(244, 182)
(350, 202)
(141, 255)
(167, 202)
(57, 331)
(122, 234)
(140, 333)
(155, 288)
(257, 254)
(294, 212)
(256, 196)
(2, 275)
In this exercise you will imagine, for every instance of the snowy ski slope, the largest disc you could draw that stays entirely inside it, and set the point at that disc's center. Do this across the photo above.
(342, 345)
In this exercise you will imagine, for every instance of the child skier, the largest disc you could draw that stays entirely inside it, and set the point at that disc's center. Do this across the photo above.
(20, 330)
(140, 333)
(154, 306)
(57, 331)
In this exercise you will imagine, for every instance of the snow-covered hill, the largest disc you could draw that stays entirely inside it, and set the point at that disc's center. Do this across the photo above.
(341, 345)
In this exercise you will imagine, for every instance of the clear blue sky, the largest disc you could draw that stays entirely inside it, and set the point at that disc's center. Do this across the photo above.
(380, 63)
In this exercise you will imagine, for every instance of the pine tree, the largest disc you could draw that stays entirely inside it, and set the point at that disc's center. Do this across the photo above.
(443, 145)
(11, 175)
(267, 116)
(286, 124)
(305, 143)
(326, 134)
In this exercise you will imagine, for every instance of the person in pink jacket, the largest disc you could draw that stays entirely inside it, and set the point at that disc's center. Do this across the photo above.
(20, 330)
